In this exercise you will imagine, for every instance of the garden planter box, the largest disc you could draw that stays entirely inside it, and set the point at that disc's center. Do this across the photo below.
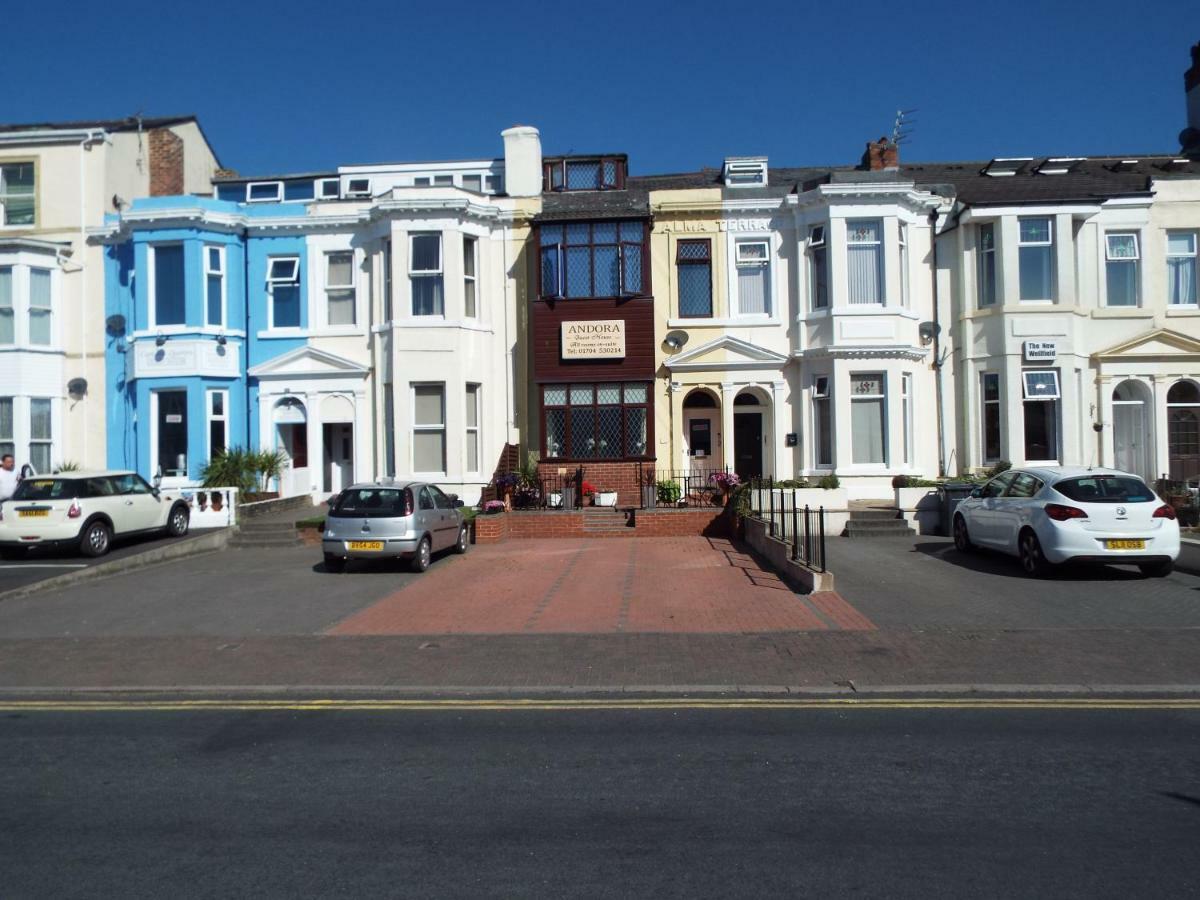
(606, 498)
(921, 507)
(834, 501)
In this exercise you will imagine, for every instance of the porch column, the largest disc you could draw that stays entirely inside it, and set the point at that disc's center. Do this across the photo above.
(316, 444)
(728, 391)
(779, 428)
(1106, 446)
(363, 443)
(676, 454)
(1158, 415)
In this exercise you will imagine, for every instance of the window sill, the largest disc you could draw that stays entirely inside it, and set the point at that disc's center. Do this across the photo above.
(870, 310)
(28, 348)
(1182, 310)
(728, 322)
(437, 322)
(338, 332)
(1122, 312)
(196, 330)
(281, 333)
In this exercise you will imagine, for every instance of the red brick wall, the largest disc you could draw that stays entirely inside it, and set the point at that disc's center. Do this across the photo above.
(559, 524)
(621, 477)
(491, 529)
(166, 163)
(680, 522)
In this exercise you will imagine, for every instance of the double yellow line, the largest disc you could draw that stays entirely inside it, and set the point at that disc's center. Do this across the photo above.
(599, 704)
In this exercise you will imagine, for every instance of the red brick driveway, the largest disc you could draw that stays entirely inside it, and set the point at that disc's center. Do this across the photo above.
(689, 584)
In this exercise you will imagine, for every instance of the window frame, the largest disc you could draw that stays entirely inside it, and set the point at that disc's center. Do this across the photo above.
(210, 273)
(985, 267)
(1194, 256)
(274, 281)
(906, 419)
(251, 185)
(389, 299)
(12, 304)
(48, 441)
(559, 167)
(705, 261)
(152, 284)
(211, 417)
(561, 247)
(350, 287)
(624, 405)
(1135, 261)
(1049, 246)
(8, 442)
(47, 310)
(472, 395)
(766, 264)
(470, 279)
(319, 185)
(862, 398)
(880, 260)
(4, 193)
(428, 428)
(745, 173)
(437, 273)
(358, 193)
(1026, 393)
(985, 405)
(822, 407)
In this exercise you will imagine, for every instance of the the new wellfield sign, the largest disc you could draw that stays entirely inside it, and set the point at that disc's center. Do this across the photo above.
(597, 339)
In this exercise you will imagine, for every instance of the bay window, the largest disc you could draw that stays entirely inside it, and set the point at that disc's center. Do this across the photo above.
(985, 263)
(340, 299)
(214, 286)
(218, 422)
(596, 421)
(1121, 268)
(425, 275)
(989, 395)
(429, 428)
(7, 442)
(41, 436)
(818, 260)
(472, 428)
(1035, 258)
(693, 266)
(822, 423)
(470, 282)
(1181, 268)
(592, 259)
(169, 305)
(906, 416)
(867, 418)
(864, 262)
(171, 422)
(752, 259)
(8, 318)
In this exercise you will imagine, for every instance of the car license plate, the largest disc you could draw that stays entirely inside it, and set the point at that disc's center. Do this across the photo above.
(1125, 545)
(365, 545)
(33, 513)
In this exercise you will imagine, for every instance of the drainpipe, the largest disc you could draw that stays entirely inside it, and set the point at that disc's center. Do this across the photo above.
(937, 348)
(84, 145)
(246, 325)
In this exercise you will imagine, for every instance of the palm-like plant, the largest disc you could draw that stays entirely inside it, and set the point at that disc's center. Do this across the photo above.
(269, 465)
(233, 467)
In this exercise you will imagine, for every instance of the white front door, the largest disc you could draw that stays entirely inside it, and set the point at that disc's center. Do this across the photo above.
(701, 441)
(339, 457)
(1130, 437)
(292, 439)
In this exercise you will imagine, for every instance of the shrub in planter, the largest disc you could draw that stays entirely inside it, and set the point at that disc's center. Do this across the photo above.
(829, 483)
(669, 491)
(493, 507)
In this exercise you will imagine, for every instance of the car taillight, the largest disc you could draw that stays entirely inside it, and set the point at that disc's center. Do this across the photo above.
(408, 502)
(1164, 512)
(1060, 513)
(74, 512)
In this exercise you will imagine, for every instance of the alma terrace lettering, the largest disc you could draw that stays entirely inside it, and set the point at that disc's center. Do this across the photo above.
(597, 339)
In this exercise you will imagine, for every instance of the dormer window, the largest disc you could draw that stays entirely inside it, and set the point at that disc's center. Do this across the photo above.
(746, 172)
(327, 188)
(264, 191)
(604, 173)
(1007, 166)
(1059, 165)
(358, 188)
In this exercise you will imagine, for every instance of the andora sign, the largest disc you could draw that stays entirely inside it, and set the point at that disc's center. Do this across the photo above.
(1041, 351)
(598, 339)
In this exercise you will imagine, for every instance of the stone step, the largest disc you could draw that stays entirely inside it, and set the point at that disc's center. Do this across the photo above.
(256, 540)
(283, 528)
(893, 528)
(874, 514)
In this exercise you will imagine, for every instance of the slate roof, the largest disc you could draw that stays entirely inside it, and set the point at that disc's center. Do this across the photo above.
(130, 123)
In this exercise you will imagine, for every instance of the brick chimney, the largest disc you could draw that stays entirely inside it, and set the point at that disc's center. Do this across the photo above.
(1190, 137)
(881, 156)
(166, 163)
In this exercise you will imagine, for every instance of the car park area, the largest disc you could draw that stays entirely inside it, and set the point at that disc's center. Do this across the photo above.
(40, 564)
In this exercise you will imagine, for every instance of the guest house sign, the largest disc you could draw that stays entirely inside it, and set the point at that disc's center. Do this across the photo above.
(597, 339)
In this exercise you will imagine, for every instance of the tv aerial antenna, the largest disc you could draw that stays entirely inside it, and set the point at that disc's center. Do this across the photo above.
(902, 128)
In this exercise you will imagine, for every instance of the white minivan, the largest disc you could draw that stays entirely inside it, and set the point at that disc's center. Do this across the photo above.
(1055, 514)
(86, 511)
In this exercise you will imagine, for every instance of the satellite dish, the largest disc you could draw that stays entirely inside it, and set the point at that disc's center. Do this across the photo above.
(115, 325)
(77, 387)
(676, 339)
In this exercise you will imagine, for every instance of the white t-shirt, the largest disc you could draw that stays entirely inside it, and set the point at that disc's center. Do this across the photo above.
(8, 483)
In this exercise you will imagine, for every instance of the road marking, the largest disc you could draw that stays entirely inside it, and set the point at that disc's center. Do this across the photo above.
(47, 566)
(452, 705)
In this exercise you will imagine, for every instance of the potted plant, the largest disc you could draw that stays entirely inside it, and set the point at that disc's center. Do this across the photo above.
(669, 491)
(724, 482)
(505, 485)
(649, 491)
(589, 493)
(493, 507)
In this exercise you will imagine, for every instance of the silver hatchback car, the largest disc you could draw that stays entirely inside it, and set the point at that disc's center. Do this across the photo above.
(392, 520)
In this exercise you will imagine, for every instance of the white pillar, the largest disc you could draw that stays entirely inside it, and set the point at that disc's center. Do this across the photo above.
(779, 428)
(728, 391)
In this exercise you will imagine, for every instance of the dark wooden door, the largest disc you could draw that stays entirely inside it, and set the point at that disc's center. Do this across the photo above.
(747, 444)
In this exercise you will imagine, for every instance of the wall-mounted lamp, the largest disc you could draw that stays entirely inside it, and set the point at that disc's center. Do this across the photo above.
(160, 339)
(222, 340)
(928, 331)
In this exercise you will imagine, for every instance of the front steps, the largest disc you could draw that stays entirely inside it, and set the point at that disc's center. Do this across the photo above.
(602, 520)
(876, 522)
(266, 534)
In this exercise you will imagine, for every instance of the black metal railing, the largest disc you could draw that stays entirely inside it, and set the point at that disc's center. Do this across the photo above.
(679, 487)
(800, 526)
(1184, 496)
(546, 491)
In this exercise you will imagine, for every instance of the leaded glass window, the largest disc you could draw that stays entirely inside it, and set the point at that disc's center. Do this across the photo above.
(595, 421)
(585, 259)
(693, 262)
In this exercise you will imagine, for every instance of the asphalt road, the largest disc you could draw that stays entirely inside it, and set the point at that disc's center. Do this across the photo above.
(629, 803)
(38, 564)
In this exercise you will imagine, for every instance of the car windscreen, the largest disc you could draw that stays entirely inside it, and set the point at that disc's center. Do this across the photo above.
(1105, 489)
(369, 503)
(47, 489)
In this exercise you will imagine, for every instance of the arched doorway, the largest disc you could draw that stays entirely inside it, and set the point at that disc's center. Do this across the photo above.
(749, 431)
(337, 439)
(290, 418)
(1183, 430)
(701, 431)
(1132, 451)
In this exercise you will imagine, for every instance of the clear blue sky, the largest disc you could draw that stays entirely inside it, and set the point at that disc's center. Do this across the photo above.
(307, 85)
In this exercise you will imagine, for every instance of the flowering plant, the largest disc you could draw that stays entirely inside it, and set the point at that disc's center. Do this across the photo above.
(588, 489)
(507, 482)
(493, 506)
(726, 481)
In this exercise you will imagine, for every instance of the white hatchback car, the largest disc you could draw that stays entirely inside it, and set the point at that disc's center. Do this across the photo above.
(86, 511)
(1056, 514)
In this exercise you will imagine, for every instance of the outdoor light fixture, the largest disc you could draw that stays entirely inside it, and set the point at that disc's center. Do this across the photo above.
(222, 340)
(160, 339)
(928, 331)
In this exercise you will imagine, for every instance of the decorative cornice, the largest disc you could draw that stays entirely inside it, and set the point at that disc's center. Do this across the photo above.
(896, 192)
(868, 351)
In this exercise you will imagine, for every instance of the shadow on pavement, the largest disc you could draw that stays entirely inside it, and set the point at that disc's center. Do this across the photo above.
(993, 562)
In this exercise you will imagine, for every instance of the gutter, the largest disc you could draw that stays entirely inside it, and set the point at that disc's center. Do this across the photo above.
(937, 352)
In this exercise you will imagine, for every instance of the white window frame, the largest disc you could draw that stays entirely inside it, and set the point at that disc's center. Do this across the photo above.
(47, 442)
(351, 286)
(320, 185)
(478, 175)
(980, 269)
(473, 432)
(881, 376)
(984, 403)
(880, 261)
(168, 480)
(418, 428)
(902, 231)
(1194, 256)
(389, 299)
(766, 263)
(746, 173)
(443, 180)
(152, 286)
(1049, 242)
(471, 242)
(439, 272)
(210, 417)
(273, 280)
(821, 392)
(250, 185)
(906, 417)
(1026, 384)
(1136, 260)
(29, 308)
(209, 272)
(358, 193)
(13, 270)
(818, 243)
(491, 184)
(8, 442)
(4, 192)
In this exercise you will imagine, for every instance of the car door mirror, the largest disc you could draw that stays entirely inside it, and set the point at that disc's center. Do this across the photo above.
(976, 493)
(158, 476)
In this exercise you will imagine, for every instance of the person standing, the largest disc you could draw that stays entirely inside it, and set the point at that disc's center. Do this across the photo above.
(8, 477)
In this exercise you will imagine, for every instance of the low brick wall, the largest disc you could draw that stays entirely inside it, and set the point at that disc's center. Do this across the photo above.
(571, 524)
(681, 522)
(621, 477)
(491, 529)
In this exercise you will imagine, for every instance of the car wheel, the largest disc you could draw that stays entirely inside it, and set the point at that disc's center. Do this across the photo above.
(95, 539)
(962, 539)
(1033, 561)
(420, 562)
(177, 523)
(460, 545)
(12, 553)
(1158, 569)
(335, 564)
